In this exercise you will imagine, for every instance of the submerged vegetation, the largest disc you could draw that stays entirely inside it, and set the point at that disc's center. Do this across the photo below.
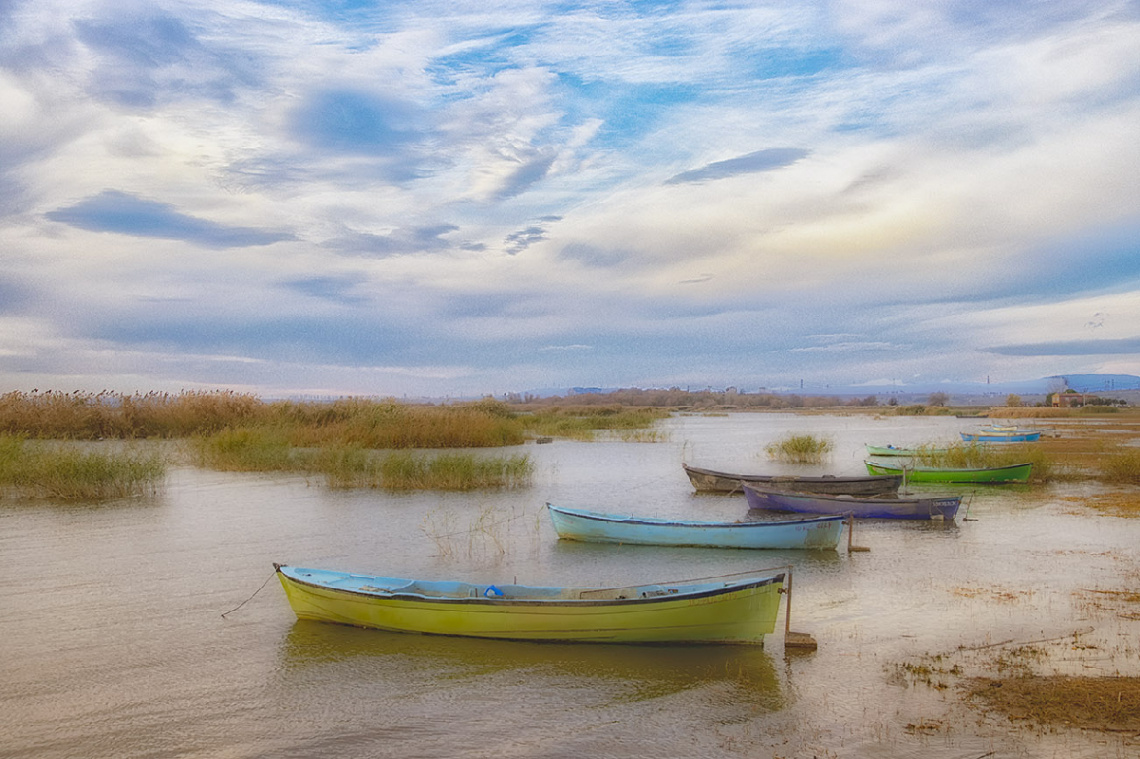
(352, 466)
(39, 470)
(1092, 703)
(800, 449)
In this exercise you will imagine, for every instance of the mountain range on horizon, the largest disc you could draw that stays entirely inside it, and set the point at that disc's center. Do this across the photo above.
(1081, 383)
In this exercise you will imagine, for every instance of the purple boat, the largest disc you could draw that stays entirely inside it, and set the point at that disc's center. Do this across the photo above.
(870, 507)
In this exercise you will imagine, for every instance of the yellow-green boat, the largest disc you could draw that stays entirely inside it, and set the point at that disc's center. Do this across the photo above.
(984, 475)
(736, 609)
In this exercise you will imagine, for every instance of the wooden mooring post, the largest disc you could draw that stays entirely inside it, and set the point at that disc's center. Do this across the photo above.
(851, 535)
(794, 639)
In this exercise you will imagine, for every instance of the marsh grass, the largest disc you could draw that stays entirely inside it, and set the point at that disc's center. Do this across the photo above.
(98, 416)
(800, 449)
(977, 456)
(245, 450)
(38, 470)
(583, 423)
(368, 423)
(1093, 703)
(1121, 466)
(452, 471)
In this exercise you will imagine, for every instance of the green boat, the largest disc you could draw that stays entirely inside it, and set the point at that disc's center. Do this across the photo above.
(985, 475)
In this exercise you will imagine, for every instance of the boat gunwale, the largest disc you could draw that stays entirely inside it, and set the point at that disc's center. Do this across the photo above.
(534, 603)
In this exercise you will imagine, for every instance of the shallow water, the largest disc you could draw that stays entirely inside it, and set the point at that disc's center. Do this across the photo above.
(113, 643)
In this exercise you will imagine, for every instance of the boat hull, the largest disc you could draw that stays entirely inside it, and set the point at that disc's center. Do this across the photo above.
(740, 611)
(992, 475)
(1000, 437)
(575, 524)
(712, 481)
(939, 508)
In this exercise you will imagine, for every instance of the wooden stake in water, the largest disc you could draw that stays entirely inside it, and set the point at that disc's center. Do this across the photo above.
(850, 535)
(795, 639)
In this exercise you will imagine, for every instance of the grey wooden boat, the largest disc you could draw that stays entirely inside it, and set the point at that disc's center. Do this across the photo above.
(712, 481)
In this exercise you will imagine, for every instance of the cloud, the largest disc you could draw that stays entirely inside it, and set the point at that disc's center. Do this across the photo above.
(525, 176)
(142, 56)
(1071, 348)
(121, 213)
(336, 289)
(762, 160)
(518, 241)
(398, 242)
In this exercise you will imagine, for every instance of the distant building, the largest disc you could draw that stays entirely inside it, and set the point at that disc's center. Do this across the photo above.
(1068, 399)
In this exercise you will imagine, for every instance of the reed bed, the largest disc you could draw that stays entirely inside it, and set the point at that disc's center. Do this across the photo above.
(405, 470)
(584, 422)
(246, 450)
(37, 470)
(800, 449)
(98, 416)
(392, 425)
(370, 423)
(1121, 466)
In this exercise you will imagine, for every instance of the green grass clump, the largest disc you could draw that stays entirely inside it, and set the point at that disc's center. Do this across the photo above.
(584, 422)
(452, 471)
(245, 450)
(800, 449)
(66, 473)
(1122, 466)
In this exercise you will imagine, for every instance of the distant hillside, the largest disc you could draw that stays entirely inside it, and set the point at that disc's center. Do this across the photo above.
(1082, 383)
(1098, 383)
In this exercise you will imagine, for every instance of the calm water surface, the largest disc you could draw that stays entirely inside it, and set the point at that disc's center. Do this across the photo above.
(113, 643)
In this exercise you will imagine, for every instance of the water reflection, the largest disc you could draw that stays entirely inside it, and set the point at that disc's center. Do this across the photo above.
(395, 662)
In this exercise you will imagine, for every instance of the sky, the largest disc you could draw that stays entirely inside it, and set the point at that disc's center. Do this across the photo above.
(458, 199)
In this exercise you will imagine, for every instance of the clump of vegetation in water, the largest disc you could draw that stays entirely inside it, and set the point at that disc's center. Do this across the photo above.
(450, 471)
(355, 466)
(68, 473)
(246, 450)
(584, 422)
(800, 449)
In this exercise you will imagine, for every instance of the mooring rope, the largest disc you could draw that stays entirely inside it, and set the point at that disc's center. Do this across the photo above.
(243, 603)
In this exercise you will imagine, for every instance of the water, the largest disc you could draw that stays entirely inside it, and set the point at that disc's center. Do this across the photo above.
(113, 643)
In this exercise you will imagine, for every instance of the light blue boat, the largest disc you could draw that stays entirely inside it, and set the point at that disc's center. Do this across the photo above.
(1001, 435)
(820, 533)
